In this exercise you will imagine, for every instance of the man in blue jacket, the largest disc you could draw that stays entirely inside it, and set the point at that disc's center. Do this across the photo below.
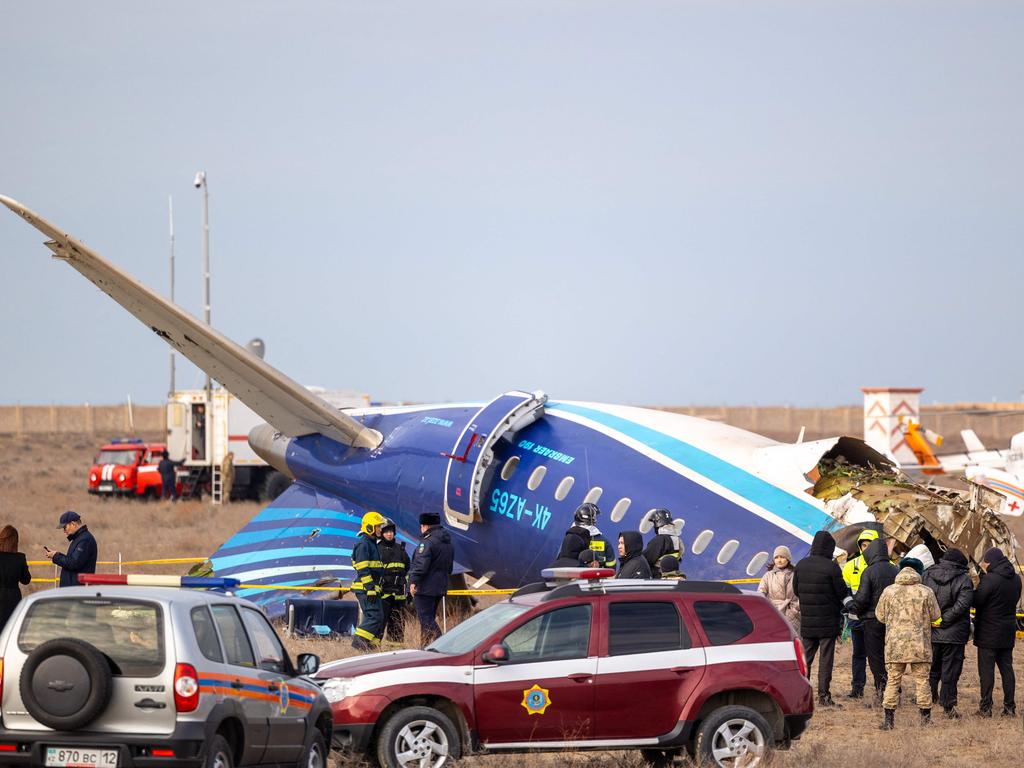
(82, 551)
(432, 565)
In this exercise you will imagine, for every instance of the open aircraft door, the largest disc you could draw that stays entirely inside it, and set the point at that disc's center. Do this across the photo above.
(473, 453)
(177, 431)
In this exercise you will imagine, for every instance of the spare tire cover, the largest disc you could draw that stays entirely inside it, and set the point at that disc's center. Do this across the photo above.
(66, 683)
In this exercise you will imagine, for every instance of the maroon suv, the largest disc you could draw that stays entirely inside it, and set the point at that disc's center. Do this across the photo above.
(660, 666)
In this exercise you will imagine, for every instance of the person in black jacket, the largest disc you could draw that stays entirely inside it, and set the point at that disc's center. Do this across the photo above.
(951, 583)
(995, 627)
(393, 580)
(432, 565)
(879, 574)
(632, 563)
(576, 539)
(13, 571)
(818, 584)
(82, 551)
(665, 540)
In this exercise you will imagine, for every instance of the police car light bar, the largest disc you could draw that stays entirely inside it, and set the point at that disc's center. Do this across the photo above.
(193, 582)
(569, 574)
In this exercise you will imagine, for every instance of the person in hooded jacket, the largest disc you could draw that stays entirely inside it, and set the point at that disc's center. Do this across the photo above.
(576, 539)
(632, 563)
(951, 583)
(394, 580)
(819, 586)
(777, 586)
(995, 627)
(879, 574)
(908, 609)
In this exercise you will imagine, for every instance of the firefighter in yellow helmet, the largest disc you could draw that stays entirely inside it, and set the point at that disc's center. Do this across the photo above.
(851, 575)
(366, 584)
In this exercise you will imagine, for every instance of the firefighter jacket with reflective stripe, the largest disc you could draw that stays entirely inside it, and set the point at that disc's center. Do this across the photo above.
(367, 565)
(395, 560)
(600, 546)
(852, 572)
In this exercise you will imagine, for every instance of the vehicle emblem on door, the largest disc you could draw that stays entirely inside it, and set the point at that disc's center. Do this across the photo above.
(535, 700)
(283, 698)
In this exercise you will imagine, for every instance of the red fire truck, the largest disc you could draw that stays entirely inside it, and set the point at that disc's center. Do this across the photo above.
(127, 467)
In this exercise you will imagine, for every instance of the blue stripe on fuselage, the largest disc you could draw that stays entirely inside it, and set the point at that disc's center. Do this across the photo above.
(770, 497)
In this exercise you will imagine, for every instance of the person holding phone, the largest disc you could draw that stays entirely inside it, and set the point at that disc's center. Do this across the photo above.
(82, 550)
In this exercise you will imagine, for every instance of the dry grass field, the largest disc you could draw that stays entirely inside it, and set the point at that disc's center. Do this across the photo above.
(41, 476)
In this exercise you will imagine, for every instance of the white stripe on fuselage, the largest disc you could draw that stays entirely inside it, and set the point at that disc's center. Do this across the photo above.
(682, 469)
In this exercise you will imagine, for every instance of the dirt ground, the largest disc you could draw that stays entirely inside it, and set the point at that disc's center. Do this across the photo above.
(42, 476)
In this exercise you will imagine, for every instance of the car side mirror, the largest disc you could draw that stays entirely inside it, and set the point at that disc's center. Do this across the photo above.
(497, 654)
(309, 663)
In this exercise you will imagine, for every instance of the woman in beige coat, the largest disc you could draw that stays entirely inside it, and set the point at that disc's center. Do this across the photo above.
(777, 586)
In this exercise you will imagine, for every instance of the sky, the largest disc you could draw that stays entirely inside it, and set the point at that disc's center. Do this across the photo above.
(638, 202)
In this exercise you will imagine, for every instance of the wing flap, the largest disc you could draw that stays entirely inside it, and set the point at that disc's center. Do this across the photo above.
(286, 405)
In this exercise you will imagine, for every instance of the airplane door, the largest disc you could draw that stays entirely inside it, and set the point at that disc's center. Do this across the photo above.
(473, 452)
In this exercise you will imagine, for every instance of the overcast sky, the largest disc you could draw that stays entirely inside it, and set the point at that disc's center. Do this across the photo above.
(639, 202)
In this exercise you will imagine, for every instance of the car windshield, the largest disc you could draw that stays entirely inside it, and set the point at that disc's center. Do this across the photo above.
(470, 633)
(129, 633)
(126, 458)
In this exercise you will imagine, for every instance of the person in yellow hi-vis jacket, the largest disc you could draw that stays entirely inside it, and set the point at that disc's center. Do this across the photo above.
(368, 567)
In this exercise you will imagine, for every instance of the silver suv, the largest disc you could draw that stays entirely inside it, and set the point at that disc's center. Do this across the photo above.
(121, 676)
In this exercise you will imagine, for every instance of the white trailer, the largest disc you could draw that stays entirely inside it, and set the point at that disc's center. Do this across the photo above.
(201, 434)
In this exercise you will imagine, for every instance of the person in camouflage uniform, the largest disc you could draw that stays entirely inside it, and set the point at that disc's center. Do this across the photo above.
(908, 609)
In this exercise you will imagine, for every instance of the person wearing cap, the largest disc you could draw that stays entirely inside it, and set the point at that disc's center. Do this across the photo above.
(951, 583)
(851, 575)
(394, 581)
(874, 579)
(82, 550)
(907, 608)
(823, 595)
(168, 477)
(366, 584)
(432, 566)
(995, 625)
(668, 567)
(588, 559)
(777, 586)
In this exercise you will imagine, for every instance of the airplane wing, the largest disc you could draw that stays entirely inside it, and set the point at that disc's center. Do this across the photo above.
(286, 405)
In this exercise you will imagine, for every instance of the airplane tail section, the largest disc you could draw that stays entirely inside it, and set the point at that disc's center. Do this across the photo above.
(286, 405)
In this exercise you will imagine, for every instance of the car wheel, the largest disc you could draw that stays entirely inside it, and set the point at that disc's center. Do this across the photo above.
(418, 737)
(734, 736)
(219, 754)
(315, 753)
(659, 758)
(66, 683)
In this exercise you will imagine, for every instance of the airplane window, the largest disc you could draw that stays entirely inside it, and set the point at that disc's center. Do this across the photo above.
(593, 494)
(619, 510)
(564, 487)
(509, 468)
(727, 551)
(757, 563)
(701, 542)
(538, 474)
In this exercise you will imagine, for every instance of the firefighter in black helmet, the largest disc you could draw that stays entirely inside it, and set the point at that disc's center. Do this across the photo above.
(665, 541)
(393, 581)
(586, 517)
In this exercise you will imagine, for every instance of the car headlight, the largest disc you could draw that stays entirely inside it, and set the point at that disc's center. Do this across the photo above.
(93, 478)
(337, 688)
(120, 477)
